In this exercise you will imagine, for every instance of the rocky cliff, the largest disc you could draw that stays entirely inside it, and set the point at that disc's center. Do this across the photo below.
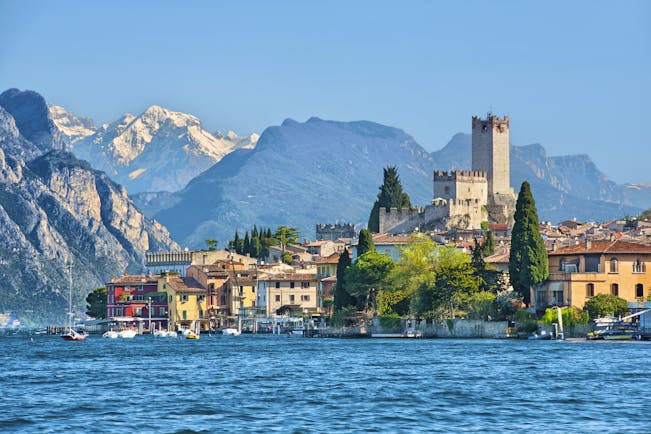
(53, 209)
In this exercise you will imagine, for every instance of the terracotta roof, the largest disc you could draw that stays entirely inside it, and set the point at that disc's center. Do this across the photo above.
(332, 278)
(289, 277)
(498, 226)
(184, 284)
(136, 279)
(501, 256)
(381, 239)
(332, 259)
(617, 246)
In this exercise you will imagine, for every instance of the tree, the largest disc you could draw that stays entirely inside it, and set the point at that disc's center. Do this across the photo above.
(488, 247)
(605, 304)
(212, 245)
(390, 195)
(342, 297)
(96, 303)
(367, 276)
(365, 243)
(286, 236)
(237, 244)
(286, 257)
(528, 264)
(246, 244)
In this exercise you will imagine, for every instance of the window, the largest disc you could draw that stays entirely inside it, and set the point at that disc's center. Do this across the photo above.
(277, 298)
(200, 313)
(613, 265)
(562, 266)
(291, 284)
(170, 299)
(305, 284)
(589, 292)
(277, 284)
(292, 299)
(305, 298)
(183, 297)
(447, 190)
(185, 314)
(201, 297)
(639, 267)
(639, 290)
(161, 311)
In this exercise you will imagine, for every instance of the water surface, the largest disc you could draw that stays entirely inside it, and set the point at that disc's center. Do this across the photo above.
(280, 384)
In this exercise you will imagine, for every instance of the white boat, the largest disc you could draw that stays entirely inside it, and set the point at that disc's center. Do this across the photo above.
(171, 334)
(160, 333)
(111, 334)
(70, 334)
(127, 334)
(230, 331)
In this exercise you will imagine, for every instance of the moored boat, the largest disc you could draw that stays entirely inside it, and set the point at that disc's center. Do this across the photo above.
(127, 334)
(111, 334)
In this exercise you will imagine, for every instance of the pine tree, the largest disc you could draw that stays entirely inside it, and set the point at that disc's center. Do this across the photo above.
(390, 195)
(235, 243)
(341, 297)
(488, 248)
(528, 264)
(246, 244)
(365, 242)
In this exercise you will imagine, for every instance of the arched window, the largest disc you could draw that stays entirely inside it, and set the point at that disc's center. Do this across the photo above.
(639, 290)
(613, 265)
(589, 290)
(614, 289)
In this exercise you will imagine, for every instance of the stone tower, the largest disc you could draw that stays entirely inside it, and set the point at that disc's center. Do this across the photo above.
(490, 152)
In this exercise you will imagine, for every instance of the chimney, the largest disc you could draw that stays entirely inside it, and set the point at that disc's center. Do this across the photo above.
(554, 246)
(588, 244)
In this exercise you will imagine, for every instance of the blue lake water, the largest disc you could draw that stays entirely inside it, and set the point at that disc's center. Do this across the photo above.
(279, 384)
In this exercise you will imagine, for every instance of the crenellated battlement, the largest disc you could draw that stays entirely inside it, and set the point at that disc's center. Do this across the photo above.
(491, 119)
(460, 175)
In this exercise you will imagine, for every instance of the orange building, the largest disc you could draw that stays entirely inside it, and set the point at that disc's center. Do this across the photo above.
(581, 271)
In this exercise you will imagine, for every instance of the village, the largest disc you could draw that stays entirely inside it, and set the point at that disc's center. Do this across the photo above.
(290, 287)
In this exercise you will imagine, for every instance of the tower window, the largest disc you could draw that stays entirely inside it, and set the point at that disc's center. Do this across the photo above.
(484, 129)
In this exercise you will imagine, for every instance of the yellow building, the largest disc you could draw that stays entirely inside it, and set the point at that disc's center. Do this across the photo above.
(581, 271)
(187, 302)
(290, 293)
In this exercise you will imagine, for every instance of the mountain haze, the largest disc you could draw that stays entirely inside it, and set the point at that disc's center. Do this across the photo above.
(298, 174)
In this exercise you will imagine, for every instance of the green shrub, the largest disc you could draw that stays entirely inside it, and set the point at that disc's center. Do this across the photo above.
(570, 315)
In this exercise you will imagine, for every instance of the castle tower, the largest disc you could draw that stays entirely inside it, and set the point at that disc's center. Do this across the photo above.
(490, 153)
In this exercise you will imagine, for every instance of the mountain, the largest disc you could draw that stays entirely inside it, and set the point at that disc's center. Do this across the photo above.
(53, 209)
(159, 150)
(563, 187)
(72, 127)
(31, 117)
(299, 174)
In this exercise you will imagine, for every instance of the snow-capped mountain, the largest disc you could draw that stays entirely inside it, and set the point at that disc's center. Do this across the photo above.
(72, 127)
(159, 150)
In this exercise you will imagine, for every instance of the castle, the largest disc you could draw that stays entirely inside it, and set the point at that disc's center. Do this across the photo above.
(465, 199)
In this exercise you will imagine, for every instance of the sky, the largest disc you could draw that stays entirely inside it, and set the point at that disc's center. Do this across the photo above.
(573, 76)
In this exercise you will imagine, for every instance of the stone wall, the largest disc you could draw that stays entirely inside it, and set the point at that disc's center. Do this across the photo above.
(461, 185)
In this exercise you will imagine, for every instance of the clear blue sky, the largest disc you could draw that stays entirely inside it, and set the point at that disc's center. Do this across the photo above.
(573, 75)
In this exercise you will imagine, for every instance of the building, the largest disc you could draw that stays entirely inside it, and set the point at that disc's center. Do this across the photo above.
(335, 231)
(465, 199)
(580, 271)
(136, 299)
(326, 275)
(389, 245)
(187, 302)
(290, 293)
(161, 262)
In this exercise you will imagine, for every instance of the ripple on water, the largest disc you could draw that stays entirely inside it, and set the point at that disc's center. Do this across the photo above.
(267, 384)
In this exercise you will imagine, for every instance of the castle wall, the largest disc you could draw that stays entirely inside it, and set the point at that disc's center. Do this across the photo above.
(461, 185)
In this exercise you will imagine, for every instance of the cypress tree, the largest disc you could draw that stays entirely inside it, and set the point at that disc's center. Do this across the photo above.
(235, 243)
(528, 264)
(488, 247)
(246, 244)
(390, 195)
(365, 243)
(256, 246)
(342, 297)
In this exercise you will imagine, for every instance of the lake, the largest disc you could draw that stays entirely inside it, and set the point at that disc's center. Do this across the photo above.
(279, 384)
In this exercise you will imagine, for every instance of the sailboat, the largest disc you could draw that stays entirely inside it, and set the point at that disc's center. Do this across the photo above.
(70, 334)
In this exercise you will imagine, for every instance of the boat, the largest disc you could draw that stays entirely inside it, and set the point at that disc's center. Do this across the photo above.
(230, 331)
(111, 334)
(127, 334)
(70, 334)
(191, 335)
(543, 336)
(612, 329)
